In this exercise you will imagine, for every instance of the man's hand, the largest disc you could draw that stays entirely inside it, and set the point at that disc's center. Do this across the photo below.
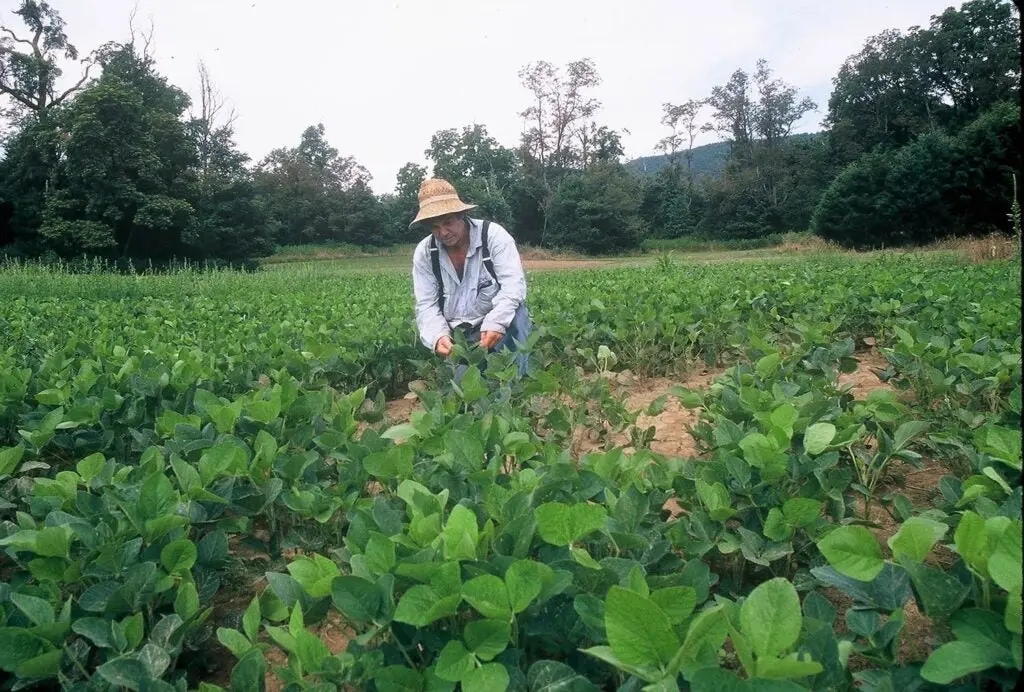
(444, 346)
(490, 339)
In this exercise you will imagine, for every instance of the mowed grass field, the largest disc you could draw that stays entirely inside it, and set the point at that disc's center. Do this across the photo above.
(789, 465)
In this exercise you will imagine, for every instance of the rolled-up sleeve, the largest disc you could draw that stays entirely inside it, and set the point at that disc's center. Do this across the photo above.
(430, 322)
(509, 268)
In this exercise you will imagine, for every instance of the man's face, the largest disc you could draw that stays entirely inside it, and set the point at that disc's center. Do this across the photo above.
(450, 229)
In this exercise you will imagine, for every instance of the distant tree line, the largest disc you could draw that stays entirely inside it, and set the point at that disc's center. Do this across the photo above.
(922, 138)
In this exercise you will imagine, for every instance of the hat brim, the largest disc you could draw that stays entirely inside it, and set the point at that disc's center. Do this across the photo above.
(442, 208)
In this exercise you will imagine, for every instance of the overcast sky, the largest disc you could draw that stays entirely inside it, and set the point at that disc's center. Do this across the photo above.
(384, 75)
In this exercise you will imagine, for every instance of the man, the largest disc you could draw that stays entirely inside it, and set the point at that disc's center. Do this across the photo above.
(462, 283)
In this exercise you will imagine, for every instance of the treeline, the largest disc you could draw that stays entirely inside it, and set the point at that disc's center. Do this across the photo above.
(922, 137)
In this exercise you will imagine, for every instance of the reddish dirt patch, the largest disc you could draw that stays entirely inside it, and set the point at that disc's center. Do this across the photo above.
(400, 410)
(671, 427)
(865, 378)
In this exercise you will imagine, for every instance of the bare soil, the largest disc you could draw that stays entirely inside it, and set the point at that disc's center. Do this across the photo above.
(865, 378)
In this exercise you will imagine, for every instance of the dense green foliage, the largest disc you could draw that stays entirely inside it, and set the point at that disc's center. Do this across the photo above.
(153, 429)
(918, 145)
(934, 187)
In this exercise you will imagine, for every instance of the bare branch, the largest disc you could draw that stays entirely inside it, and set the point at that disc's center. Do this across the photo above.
(57, 101)
(16, 37)
(17, 96)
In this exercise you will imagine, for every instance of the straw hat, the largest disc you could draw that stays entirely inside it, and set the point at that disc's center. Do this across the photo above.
(437, 198)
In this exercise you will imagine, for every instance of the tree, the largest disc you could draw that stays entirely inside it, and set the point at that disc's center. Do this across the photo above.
(558, 126)
(668, 205)
(599, 144)
(560, 108)
(943, 76)
(471, 153)
(684, 121)
(28, 66)
(120, 182)
(230, 221)
(483, 171)
(757, 115)
(307, 189)
(597, 210)
(934, 187)
(733, 115)
(400, 208)
(971, 58)
(986, 155)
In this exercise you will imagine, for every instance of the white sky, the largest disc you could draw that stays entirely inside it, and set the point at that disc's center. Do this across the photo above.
(384, 75)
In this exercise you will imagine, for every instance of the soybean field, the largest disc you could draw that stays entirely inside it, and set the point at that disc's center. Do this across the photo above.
(213, 480)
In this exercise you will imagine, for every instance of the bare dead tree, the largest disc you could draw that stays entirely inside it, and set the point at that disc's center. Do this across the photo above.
(214, 116)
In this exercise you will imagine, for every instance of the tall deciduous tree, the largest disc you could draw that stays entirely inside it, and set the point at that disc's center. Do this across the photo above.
(121, 182)
(757, 116)
(400, 208)
(28, 61)
(943, 75)
(557, 124)
(306, 190)
(230, 221)
(483, 171)
(597, 210)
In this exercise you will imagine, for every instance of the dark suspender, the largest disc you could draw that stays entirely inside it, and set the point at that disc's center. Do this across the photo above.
(435, 263)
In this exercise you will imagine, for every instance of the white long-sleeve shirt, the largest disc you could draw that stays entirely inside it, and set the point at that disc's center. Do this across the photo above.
(475, 298)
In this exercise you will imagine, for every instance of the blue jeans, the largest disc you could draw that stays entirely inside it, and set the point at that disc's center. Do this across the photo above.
(515, 336)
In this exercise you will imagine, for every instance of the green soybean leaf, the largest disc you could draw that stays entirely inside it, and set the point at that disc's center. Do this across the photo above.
(398, 679)
(956, 659)
(553, 676)
(179, 556)
(186, 602)
(1000, 443)
(9, 458)
(422, 605)
(249, 673)
(18, 645)
(39, 611)
(971, 539)
(853, 551)
(788, 668)
(776, 528)
(251, 619)
(361, 600)
(461, 534)
(916, 538)
(770, 617)
(123, 672)
(560, 524)
(489, 595)
(817, 437)
(491, 677)
(677, 602)
(639, 632)
(939, 592)
(234, 640)
(801, 511)
(315, 575)
(1004, 564)
(454, 662)
(524, 580)
(487, 638)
